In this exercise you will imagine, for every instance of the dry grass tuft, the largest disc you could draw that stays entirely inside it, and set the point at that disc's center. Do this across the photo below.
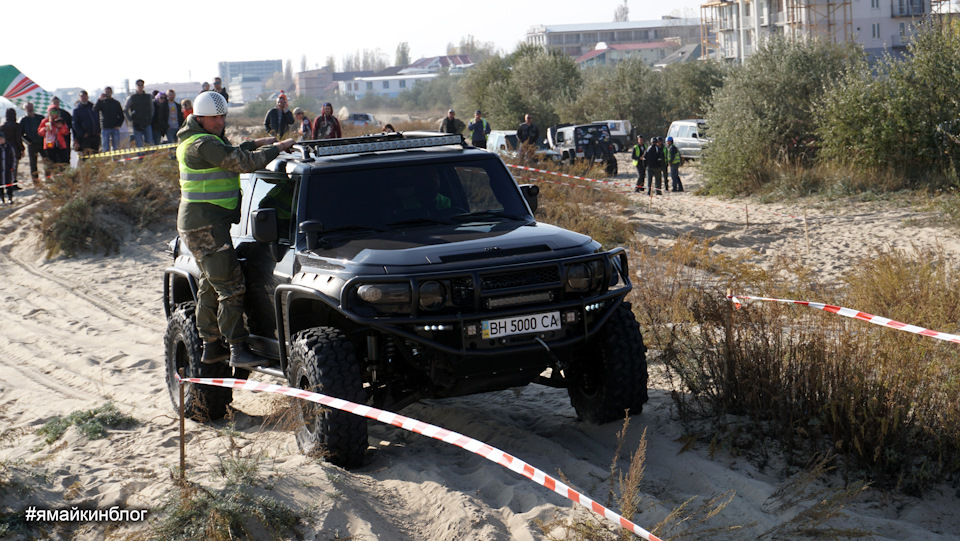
(804, 381)
(90, 208)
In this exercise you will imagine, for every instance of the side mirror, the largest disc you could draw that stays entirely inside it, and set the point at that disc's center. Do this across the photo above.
(312, 229)
(530, 193)
(263, 225)
(694, 135)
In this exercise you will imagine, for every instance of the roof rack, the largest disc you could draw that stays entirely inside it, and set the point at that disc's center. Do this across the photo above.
(376, 142)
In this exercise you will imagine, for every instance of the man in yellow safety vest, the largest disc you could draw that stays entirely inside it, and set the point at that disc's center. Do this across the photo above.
(209, 202)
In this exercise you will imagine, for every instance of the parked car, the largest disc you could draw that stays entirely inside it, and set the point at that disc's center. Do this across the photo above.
(622, 134)
(584, 141)
(504, 142)
(689, 137)
(361, 119)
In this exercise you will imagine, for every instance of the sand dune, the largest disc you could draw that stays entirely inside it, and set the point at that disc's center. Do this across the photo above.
(80, 332)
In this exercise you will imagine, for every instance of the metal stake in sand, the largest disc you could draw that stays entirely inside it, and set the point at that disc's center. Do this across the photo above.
(183, 456)
(746, 209)
(806, 231)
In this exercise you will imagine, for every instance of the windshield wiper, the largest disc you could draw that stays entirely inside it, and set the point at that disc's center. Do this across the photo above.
(418, 221)
(488, 214)
(341, 228)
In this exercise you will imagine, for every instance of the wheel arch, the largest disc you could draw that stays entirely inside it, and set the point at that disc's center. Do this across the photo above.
(299, 308)
(179, 286)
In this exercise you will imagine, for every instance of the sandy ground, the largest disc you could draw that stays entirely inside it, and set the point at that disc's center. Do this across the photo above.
(80, 332)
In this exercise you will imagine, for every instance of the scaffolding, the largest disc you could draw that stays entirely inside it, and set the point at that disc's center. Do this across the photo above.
(709, 25)
(831, 20)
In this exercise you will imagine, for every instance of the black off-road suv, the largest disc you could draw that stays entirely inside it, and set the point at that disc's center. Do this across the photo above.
(388, 268)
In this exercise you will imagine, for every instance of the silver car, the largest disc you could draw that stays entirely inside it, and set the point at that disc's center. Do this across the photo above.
(689, 137)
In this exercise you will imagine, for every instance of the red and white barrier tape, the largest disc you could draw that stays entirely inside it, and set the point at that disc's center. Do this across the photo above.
(856, 314)
(571, 185)
(474, 446)
(560, 174)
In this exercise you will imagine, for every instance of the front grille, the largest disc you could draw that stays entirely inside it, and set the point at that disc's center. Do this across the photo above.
(523, 278)
(461, 291)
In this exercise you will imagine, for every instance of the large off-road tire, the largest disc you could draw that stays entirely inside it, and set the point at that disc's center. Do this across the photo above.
(322, 360)
(610, 375)
(183, 349)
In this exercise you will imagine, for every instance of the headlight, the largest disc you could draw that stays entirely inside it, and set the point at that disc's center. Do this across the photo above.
(384, 293)
(578, 277)
(432, 295)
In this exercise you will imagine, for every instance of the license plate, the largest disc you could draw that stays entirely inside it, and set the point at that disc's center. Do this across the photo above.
(495, 328)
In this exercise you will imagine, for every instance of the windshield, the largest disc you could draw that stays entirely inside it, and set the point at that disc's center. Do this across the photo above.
(588, 134)
(414, 195)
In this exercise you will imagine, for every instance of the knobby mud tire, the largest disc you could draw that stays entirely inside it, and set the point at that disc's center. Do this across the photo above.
(322, 360)
(610, 375)
(183, 349)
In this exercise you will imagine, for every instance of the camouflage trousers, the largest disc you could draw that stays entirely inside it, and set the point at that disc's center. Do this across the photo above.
(221, 288)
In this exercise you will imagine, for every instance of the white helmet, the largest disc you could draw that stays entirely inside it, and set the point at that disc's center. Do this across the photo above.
(209, 104)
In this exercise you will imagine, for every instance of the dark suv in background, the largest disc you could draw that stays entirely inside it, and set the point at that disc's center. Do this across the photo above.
(584, 142)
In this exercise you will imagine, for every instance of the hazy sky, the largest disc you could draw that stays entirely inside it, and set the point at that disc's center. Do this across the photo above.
(95, 45)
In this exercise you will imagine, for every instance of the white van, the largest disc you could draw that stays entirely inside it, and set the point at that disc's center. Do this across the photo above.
(689, 136)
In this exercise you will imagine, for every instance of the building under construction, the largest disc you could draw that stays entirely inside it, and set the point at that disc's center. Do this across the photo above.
(731, 29)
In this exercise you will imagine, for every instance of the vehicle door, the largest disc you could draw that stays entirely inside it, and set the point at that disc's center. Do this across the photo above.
(261, 271)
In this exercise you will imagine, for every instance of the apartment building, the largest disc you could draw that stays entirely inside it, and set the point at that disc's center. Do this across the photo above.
(577, 40)
(264, 69)
(732, 29)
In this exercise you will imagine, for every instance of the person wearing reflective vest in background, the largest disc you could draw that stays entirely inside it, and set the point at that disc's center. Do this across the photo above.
(671, 155)
(209, 202)
(638, 150)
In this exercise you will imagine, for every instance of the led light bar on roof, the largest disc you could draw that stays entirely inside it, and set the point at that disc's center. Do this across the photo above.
(421, 142)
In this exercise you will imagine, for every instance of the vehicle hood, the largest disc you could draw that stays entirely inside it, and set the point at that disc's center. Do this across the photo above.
(450, 245)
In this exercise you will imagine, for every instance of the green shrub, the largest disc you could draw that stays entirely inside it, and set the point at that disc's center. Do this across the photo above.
(763, 114)
(530, 80)
(887, 115)
(91, 423)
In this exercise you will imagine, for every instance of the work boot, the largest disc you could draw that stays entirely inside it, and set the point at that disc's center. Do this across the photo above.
(214, 352)
(638, 189)
(242, 357)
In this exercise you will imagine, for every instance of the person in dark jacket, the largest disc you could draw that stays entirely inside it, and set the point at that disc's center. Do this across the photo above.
(139, 112)
(218, 88)
(326, 126)
(452, 124)
(111, 118)
(279, 119)
(30, 123)
(528, 137)
(86, 126)
(654, 161)
(166, 119)
(8, 169)
(14, 135)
